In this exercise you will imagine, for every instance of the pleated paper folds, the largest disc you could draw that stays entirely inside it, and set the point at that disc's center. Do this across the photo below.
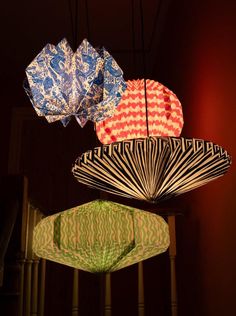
(87, 84)
(161, 116)
(153, 168)
(100, 236)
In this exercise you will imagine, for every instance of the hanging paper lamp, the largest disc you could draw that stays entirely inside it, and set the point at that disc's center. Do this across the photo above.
(153, 168)
(87, 84)
(164, 113)
(100, 236)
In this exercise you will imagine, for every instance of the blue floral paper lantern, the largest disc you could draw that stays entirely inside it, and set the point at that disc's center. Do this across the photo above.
(87, 84)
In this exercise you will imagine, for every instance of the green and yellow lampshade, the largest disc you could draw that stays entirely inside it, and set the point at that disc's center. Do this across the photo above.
(100, 236)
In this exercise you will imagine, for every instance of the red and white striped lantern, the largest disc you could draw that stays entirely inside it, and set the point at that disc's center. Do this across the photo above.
(159, 115)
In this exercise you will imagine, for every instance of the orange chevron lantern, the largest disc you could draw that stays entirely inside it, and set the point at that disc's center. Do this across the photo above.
(156, 112)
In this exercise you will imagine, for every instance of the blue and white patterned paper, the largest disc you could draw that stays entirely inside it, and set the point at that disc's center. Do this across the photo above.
(87, 84)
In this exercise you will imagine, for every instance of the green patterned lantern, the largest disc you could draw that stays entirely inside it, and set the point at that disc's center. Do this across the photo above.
(100, 236)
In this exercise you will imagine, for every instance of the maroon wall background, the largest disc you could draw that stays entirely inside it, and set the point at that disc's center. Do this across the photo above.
(199, 50)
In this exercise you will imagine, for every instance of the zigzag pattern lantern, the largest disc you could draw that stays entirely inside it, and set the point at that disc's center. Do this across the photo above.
(164, 113)
(100, 236)
(153, 168)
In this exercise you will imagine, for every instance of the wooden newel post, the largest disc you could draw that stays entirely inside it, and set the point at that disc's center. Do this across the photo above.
(28, 276)
(140, 290)
(75, 299)
(172, 256)
(34, 300)
(22, 278)
(107, 308)
(42, 286)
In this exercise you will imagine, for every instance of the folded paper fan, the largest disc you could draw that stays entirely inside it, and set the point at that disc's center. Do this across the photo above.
(153, 168)
(100, 236)
(164, 113)
(87, 84)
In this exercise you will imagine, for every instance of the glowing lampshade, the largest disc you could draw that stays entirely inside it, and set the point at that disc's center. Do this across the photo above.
(100, 236)
(87, 84)
(165, 117)
(152, 168)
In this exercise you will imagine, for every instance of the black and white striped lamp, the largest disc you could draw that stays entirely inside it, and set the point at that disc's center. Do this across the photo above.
(152, 168)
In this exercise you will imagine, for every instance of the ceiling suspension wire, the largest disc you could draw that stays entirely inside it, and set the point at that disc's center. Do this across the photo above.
(144, 62)
(156, 18)
(73, 11)
(133, 38)
(76, 24)
(72, 21)
(87, 21)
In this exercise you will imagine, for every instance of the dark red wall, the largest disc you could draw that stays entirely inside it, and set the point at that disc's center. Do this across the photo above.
(199, 53)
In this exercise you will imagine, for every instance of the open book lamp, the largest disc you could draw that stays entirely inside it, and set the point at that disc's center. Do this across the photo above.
(100, 236)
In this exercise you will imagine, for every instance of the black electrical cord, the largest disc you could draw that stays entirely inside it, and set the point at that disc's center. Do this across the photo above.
(144, 62)
(87, 20)
(154, 28)
(74, 22)
(133, 38)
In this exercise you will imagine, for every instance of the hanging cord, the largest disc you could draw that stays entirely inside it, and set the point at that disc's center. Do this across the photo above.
(87, 20)
(144, 63)
(155, 24)
(133, 38)
(74, 22)
(76, 25)
(97, 142)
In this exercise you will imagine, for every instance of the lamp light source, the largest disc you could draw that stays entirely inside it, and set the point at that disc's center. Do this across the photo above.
(100, 236)
(87, 84)
(164, 115)
(153, 168)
